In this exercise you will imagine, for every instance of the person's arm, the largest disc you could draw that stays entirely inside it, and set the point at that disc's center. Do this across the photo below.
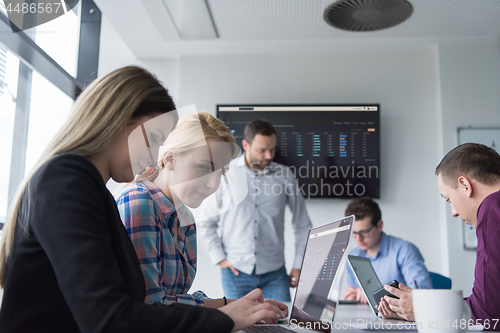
(216, 303)
(413, 268)
(226, 264)
(79, 236)
(220, 302)
(300, 220)
(207, 230)
(139, 216)
(350, 293)
(294, 277)
(251, 308)
(484, 300)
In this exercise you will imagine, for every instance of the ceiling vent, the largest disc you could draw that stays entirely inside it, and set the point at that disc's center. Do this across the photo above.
(367, 15)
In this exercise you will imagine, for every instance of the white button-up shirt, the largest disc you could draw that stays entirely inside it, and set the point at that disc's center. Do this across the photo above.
(251, 234)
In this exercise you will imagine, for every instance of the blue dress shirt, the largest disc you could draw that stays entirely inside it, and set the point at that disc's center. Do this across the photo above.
(396, 259)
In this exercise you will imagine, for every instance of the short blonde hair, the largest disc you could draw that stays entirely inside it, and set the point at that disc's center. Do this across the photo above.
(187, 135)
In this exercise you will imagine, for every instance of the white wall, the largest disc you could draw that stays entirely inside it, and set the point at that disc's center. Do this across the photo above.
(404, 82)
(425, 93)
(114, 53)
(470, 96)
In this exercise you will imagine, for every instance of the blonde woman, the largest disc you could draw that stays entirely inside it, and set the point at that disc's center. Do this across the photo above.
(66, 262)
(153, 208)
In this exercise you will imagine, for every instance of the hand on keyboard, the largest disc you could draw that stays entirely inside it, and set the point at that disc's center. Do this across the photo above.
(251, 309)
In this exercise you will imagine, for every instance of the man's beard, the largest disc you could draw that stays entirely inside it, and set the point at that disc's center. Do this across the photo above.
(259, 165)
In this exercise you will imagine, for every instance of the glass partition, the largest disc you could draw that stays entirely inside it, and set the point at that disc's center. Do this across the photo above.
(9, 72)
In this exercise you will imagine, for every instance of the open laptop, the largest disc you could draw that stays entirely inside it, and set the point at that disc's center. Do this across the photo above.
(317, 293)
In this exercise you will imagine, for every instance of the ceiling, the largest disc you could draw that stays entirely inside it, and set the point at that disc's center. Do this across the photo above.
(293, 26)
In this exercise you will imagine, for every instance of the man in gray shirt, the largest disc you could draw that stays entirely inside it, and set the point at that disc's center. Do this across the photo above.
(250, 248)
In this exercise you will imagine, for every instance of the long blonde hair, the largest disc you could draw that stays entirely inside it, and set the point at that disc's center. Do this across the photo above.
(187, 135)
(99, 115)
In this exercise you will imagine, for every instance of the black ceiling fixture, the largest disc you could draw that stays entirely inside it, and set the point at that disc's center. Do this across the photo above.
(367, 15)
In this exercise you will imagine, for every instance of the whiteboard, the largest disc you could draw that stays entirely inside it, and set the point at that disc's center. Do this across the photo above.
(491, 138)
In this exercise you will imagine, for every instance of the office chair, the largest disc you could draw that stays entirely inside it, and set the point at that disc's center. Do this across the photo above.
(440, 281)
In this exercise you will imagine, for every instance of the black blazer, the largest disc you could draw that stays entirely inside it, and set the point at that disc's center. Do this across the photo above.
(73, 267)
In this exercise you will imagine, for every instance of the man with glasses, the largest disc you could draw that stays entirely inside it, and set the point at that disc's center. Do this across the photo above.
(391, 257)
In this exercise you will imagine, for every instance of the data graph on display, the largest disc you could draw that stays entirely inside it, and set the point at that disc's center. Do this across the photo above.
(332, 150)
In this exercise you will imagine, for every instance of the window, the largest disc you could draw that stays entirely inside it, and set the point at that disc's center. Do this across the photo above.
(41, 71)
(9, 69)
(59, 38)
(49, 109)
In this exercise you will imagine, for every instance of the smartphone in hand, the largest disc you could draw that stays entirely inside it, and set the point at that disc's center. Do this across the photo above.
(379, 293)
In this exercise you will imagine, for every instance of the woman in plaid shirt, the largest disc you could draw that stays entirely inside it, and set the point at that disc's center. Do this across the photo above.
(153, 208)
(63, 213)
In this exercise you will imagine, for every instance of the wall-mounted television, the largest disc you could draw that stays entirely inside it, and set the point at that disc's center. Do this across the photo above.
(333, 150)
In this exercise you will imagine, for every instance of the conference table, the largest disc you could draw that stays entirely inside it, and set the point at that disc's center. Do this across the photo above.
(349, 316)
(352, 318)
(345, 316)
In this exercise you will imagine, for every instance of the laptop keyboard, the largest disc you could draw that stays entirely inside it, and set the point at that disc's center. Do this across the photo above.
(267, 329)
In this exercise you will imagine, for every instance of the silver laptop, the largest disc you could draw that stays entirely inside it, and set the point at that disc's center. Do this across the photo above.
(317, 293)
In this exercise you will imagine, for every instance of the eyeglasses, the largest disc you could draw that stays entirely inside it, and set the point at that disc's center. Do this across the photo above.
(362, 233)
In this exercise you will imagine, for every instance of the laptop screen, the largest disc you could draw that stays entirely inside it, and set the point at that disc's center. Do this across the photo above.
(367, 278)
(317, 295)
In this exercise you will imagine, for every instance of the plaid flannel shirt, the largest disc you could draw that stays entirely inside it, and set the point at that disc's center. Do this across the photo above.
(168, 265)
